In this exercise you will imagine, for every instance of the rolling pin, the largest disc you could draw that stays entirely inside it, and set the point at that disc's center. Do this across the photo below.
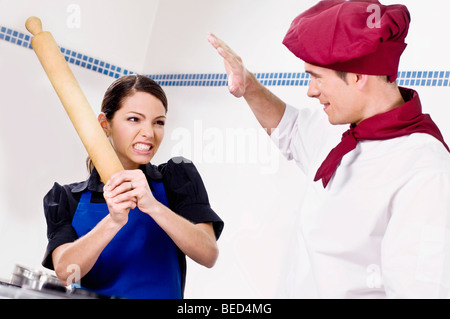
(74, 101)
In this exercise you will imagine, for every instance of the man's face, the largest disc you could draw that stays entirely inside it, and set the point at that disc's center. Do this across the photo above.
(338, 97)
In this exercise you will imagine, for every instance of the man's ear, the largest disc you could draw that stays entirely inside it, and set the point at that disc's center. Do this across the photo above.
(360, 81)
(104, 123)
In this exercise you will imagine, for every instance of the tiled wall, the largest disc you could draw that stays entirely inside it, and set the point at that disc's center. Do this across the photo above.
(405, 78)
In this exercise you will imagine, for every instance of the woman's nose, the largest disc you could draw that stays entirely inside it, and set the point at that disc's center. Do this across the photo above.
(146, 132)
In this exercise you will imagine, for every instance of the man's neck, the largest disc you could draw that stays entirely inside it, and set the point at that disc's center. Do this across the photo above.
(383, 99)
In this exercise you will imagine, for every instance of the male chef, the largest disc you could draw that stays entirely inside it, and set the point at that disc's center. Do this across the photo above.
(378, 195)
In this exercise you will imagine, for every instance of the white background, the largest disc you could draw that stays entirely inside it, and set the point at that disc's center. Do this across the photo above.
(257, 196)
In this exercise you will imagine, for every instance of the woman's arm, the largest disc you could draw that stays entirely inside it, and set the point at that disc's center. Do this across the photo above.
(197, 241)
(84, 252)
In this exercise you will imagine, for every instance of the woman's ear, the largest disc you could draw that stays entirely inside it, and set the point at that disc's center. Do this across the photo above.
(104, 123)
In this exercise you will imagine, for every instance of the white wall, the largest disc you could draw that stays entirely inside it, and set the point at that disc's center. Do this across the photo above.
(257, 196)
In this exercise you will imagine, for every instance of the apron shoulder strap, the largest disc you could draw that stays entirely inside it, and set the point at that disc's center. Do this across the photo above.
(160, 192)
(86, 197)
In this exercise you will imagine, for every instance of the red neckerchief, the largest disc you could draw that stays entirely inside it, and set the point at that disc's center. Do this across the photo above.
(403, 120)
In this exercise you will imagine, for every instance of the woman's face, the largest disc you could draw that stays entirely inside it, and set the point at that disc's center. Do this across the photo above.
(137, 129)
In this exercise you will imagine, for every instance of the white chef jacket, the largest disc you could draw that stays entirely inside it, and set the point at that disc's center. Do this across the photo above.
(381, 228)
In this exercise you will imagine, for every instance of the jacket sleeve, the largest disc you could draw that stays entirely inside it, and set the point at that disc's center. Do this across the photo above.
(59, 221)
(305, 136)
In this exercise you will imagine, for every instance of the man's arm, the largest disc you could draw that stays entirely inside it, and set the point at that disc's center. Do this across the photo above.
(267, 107)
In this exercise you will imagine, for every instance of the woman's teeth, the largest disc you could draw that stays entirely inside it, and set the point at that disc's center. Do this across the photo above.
(142, 147)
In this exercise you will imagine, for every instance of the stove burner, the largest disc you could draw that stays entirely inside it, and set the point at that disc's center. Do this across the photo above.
(27, 283)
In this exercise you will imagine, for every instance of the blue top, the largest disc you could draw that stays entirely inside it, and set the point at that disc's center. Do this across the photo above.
(73, 210)
(141, 261)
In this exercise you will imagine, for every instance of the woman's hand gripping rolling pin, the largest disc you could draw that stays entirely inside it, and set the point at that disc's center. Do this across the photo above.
(127, 190)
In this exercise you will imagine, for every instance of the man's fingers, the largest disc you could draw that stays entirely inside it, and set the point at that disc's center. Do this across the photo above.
(222, 53)
(213, 40)
(233, 65)
(223, 49)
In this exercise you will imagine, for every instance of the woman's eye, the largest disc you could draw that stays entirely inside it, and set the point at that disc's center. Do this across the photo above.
(162, 123)
(133, 119)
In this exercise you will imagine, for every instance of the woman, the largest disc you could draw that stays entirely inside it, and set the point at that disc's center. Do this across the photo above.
(129, 238)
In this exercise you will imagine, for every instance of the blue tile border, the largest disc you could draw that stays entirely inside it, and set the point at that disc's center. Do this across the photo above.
(405, 78)
(71, 56)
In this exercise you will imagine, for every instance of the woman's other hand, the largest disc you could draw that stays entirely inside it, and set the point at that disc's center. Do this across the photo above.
(127, 190)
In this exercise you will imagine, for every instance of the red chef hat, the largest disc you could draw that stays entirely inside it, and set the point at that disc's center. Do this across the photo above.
(357, 36)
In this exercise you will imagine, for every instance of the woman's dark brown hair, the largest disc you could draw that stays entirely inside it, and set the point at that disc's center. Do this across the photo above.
(123, 88)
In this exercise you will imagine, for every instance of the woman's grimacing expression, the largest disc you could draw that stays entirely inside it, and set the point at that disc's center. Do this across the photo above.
(137, 129)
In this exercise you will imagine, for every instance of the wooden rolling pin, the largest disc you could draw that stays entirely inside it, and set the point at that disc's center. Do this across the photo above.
(74, 101)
